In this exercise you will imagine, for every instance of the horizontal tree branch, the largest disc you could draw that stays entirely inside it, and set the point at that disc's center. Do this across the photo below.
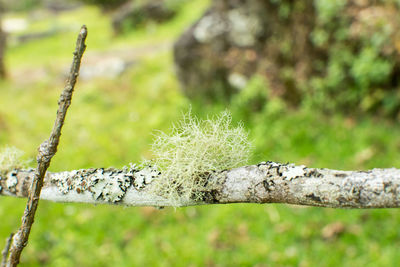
(267, 182)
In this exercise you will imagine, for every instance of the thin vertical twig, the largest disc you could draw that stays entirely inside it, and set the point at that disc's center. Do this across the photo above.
(46, 151)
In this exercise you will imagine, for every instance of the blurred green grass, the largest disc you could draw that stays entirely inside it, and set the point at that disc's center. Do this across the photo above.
(110, 123)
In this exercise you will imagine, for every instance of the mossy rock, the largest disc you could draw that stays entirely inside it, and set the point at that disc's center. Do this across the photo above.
(336, 55)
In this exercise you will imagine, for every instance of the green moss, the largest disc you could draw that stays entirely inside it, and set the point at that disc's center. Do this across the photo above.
(193, 150)
(358, 72)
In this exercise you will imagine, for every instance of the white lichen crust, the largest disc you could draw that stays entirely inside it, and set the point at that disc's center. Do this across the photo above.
(145, 176)
(292, 171)
(12, 180)
(109, 185)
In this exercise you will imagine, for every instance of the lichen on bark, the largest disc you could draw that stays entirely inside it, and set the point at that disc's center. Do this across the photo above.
(194, 151)
(10, 159)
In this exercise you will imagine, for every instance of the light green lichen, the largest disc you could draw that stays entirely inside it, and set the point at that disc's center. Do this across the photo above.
(11, 159)
(195, 149)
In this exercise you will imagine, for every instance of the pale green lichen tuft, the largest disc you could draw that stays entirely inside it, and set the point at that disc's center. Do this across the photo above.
(194, 150)
(11, 159)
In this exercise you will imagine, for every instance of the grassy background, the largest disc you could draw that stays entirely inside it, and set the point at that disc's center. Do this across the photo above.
(111, 122)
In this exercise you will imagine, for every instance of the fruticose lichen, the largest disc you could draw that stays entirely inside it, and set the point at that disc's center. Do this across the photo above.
(11, 159)
(192, 152)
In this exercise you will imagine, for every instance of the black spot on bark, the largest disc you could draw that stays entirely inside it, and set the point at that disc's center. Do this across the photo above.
(268, 184)
(210, 196)
(387, 187)
(356, 191)
(314, 197)
(342, 200)
(313, 172)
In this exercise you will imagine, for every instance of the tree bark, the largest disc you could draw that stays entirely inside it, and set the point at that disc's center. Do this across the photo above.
(267, 182)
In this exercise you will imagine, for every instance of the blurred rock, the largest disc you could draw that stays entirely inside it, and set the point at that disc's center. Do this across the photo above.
(31, 75)
(3, 39)
(12, 25)
(134, 14)
(110, 64)
(27, 37)
(60, 5)
(234, 40)
(105, 5)
(107, 67)
(339, 56)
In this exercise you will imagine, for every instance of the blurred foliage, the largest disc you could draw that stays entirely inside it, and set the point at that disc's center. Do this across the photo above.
(360, 67)
(144, 13)
(111, 122)
(355, 60)
(105, 5)
(21, 5)
(334, 55)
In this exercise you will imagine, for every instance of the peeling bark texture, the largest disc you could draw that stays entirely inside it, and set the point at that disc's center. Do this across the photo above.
(267, 182)
(46, 151)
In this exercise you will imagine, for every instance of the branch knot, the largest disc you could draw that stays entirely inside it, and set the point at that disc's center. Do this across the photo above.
(44, 152)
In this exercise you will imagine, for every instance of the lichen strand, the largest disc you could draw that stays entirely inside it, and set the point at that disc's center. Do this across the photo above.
(11, 159)
(193, 152)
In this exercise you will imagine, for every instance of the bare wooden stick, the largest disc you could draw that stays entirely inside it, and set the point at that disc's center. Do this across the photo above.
(46, 151)
(266, 182)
